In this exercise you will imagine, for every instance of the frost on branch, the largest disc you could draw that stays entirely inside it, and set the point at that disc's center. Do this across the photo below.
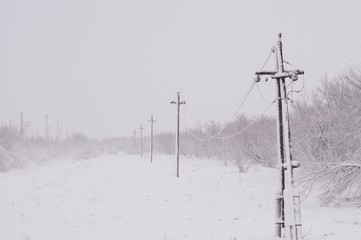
(327, 138)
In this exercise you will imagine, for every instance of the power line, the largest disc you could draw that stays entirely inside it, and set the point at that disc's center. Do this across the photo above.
(290, 64)
(243, 99)
(234, 134)
(303, 85)
(244, 129)
(264, 64)
(260, 92)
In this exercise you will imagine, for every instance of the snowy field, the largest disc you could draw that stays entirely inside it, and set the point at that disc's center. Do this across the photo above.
(127, 197)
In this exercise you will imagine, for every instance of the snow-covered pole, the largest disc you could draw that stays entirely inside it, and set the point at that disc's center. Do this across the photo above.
(280, 145)
(151, 137)
(288, 216)
(178, 103)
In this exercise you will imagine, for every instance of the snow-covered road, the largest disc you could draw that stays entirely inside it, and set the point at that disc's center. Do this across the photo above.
(127, 197)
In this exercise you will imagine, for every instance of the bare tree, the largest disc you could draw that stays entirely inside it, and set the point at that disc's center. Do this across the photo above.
(328, 138)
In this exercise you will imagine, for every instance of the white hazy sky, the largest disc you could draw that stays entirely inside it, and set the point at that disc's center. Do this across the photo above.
(105, 66)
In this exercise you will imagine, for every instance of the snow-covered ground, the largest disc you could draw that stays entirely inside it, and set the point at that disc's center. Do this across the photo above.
(127, 197)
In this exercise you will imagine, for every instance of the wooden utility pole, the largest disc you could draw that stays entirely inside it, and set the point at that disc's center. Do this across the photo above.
(151, 137)
(23, 126)
(141, 140)
(178, 103)
(288, 215)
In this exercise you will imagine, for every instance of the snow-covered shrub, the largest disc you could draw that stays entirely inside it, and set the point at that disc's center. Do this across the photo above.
(164, 143)
(8, 137)
(339, 181)
(10, 160)
(256, 144)
(16, 152)
(327, 138)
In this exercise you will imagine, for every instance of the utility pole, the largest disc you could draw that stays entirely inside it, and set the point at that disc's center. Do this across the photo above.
(178, 103)
(151, 137)
(141, 140)
(288, 215)
(23, 126)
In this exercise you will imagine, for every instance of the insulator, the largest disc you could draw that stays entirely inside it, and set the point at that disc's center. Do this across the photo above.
(295, 164)
(294, 77)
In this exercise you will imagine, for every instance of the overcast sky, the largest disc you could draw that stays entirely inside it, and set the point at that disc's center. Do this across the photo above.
(105, 66)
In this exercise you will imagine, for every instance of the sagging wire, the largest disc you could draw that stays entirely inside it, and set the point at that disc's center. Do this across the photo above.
(297, 91)
(292, 91)
(243, 99)
(290, 64)
(260, 92)
(264, 64)
(232, 135)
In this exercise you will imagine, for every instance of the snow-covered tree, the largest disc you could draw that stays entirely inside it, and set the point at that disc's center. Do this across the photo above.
(327, 138)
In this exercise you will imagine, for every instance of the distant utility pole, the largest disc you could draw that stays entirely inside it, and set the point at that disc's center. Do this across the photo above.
(141, 140)
(23, 126)
(288, 214)
(178, 103)
(151, 137)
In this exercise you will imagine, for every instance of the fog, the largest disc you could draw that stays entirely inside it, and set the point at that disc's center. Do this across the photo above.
(105, 66)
